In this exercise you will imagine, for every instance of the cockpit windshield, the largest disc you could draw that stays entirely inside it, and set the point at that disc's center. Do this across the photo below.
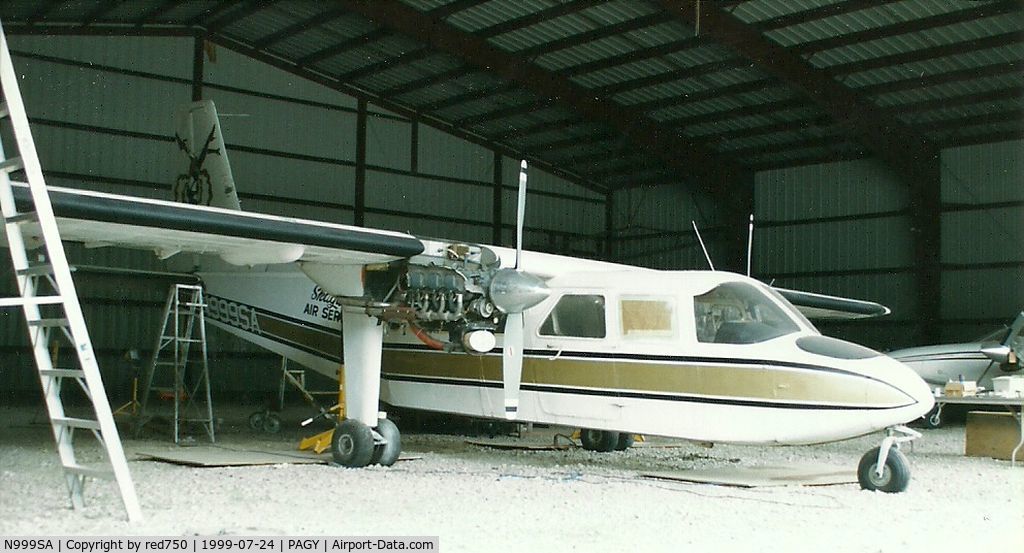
(740, 313)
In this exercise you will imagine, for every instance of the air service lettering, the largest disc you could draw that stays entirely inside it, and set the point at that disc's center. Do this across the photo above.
(322, 305)
(235, 314)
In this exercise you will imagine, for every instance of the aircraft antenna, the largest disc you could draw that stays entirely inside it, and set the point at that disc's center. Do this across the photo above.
(701, 240)
(520, 212)
(750, 242)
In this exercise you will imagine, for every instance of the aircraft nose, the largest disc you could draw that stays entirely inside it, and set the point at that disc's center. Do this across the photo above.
(910, 383)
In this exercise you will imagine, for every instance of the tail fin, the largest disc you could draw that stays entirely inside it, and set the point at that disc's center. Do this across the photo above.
(208, 179)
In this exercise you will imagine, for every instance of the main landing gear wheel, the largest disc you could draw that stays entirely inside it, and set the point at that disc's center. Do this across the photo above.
(265, 421)
(387, 453)
(352, 444)
(271, 423)
(598, 440)
(895, 473)
(625, 441)
(256, 420)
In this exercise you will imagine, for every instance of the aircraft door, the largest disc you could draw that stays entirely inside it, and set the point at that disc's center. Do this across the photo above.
(574, 333)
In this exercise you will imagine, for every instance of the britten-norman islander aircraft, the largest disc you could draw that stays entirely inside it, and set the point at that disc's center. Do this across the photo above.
(489, 331)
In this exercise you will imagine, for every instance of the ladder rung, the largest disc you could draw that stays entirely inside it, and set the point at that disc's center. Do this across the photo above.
(48, 323)
(76, 423)
(173, 339)
(63, 373)
(11, 165)
(36, 270)
(192, 304)
(37, 300)
(26, 217)
(82, 470)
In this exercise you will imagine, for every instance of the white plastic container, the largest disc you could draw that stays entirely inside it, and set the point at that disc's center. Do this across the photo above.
(1008, 386)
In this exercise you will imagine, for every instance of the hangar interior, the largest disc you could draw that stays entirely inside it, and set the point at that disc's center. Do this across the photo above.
(879, 145)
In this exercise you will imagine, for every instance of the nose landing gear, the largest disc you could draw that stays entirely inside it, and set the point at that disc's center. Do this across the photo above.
(885, 468)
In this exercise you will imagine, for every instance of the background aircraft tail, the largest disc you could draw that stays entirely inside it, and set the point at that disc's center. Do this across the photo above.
(207, 179)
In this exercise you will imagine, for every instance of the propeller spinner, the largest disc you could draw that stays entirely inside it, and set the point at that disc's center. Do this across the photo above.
(513, 291)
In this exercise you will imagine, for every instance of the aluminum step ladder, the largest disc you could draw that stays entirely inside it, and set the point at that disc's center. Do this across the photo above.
(48, 299)
(184, 326)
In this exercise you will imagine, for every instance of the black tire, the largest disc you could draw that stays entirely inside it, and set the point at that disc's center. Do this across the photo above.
(352, 444)
(598, 440)
(386, 454)
(933, 418)
(625, 441)
(256, 421)
(271, 423)
(895, 476)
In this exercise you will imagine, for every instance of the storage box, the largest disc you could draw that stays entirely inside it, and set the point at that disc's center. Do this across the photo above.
(992, 435)
(1008, 386)
(963, 388)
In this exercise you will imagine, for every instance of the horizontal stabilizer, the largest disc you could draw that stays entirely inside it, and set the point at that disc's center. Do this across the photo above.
(821, 306)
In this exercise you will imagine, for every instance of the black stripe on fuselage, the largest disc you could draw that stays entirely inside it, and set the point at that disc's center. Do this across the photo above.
(634, 395)
(333, 356)
(585, 355)
(681, 359)
(959, 356)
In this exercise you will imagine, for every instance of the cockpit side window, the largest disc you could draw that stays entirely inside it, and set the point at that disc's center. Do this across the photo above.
(739, 313)
(577, 316)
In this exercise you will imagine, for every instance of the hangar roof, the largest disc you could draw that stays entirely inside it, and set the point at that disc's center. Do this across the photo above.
(622, 93)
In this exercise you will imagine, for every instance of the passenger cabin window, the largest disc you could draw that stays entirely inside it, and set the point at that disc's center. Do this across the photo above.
(576, 316)
(739, 313)
(647, 317)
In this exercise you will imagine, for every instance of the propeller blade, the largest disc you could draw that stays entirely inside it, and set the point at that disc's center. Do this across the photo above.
(512, 363)
(521, 212)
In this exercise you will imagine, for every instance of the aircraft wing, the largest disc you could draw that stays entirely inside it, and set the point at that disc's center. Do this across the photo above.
(821, 306)
(241, 238)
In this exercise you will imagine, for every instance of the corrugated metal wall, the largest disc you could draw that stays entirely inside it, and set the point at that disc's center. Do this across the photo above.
(842, 229)
(103, 117)
(653, 228)
(982, 237)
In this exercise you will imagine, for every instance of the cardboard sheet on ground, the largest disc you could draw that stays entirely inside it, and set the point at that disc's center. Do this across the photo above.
(519, 446)
(561, 445)
(771, 475)
(213, 456)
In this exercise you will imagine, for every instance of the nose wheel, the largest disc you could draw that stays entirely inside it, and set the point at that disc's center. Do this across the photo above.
(885, 468)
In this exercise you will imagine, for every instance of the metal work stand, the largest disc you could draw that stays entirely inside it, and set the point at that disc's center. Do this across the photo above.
(184, 326)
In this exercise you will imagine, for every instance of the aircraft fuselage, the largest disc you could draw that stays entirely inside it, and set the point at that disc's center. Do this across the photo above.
(605, 351)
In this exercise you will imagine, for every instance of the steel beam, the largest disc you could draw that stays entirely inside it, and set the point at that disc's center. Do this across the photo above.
(707, 168)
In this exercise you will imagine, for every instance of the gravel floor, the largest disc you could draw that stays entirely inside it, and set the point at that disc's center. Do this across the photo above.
(479, 499)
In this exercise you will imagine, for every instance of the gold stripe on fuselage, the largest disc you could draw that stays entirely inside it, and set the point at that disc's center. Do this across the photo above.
(752, 382)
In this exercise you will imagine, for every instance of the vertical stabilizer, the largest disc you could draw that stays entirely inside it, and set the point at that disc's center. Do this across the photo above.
(207, 179)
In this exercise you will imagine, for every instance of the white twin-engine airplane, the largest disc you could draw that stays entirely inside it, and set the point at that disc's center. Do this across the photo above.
(487, 331)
